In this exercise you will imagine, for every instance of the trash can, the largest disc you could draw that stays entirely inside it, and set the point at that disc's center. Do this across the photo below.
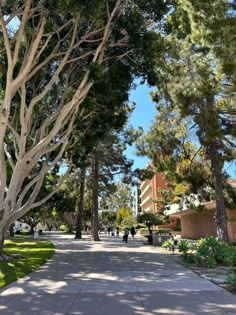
(36, 235)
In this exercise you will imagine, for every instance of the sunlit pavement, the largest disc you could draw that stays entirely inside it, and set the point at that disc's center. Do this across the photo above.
(113, 278)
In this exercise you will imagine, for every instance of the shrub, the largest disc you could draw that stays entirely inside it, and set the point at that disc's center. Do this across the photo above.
(233, 243)
(232, 279)
(184, 246)
(230, 256)
(208, 252)
(168, 244)
(164, 230)
(139, 226)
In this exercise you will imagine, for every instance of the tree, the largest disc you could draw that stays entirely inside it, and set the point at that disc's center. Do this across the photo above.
(108, 161)
(118, 197)
(34, 216)
(49, 64)
(150, 219)
(129, 221)
(195, 88)
(80, 207)
(107, 218)
(123, 213)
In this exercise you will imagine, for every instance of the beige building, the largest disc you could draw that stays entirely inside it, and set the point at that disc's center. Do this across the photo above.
(195, 224)
(146, 196)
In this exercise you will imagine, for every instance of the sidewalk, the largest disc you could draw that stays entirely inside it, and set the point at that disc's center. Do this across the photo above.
(113, 278)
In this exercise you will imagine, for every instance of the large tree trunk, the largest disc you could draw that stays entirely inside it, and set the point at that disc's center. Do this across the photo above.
(221, 218)
(3, 255)
(80, 209)
(2, 238)
(3, 229)
(95, 199)
(11, 230)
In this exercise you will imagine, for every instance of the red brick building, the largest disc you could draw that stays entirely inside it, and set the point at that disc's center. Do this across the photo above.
(149, 192)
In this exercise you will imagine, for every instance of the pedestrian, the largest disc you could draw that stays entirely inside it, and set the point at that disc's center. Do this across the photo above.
(132, 231)
(126, 235)
(109, 231)
(117, 232)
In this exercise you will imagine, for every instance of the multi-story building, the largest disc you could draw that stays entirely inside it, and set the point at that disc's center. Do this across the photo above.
(136, 200)
(146, 196)
(150, 191)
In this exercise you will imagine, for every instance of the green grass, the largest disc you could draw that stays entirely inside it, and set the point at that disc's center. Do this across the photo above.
(34, 253)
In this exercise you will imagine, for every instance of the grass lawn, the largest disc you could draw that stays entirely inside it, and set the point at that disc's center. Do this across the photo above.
(35, 253)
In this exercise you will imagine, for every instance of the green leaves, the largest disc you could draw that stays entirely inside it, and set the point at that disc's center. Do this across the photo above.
(194, 95)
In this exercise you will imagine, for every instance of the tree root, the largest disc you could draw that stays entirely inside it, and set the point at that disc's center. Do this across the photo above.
(9, 257)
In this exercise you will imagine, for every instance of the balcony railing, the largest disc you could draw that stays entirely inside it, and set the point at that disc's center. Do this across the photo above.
(146, 189)
(147, 199)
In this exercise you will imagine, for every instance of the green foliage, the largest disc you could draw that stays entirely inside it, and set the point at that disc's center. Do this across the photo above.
(129, 221)
(118, 196)
(107, 218)
(184, 246)
(163, 230)
(166, 198)
(70, 73)
(233, 243)
(213, 248)
(195, 100)
(232, 279)
(63, 228)
(34, 255)
(208, 252)
(123, 213)
(150, 219)
(140, 227)
(168, 244)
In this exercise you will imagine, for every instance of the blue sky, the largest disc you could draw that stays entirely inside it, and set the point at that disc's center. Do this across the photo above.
(143, 115)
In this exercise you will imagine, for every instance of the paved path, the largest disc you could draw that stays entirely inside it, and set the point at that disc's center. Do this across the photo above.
(113, 278)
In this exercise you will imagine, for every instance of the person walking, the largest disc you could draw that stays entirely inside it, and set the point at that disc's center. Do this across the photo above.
(126, 235)
(132, 231)
(117, 232)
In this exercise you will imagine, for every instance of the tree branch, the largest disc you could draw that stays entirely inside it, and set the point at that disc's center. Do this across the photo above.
(21, 31)
(6, 39)
(9, 157)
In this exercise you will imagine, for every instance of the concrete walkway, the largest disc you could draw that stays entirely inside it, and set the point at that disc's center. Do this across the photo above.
(113, 278)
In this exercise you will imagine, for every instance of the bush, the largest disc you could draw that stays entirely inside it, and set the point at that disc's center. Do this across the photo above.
(208, 252)
(232, 279)
(230, 256)
(184, 246)
(233, 243)
(164, 230)
(211, 251)
(63, 228)
(168, 244)
(139, 226)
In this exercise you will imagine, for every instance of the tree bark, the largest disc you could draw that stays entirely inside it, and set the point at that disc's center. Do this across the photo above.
(11, 229)
(2, 238)
(80, 210)
(95, 198)
(221, 218)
